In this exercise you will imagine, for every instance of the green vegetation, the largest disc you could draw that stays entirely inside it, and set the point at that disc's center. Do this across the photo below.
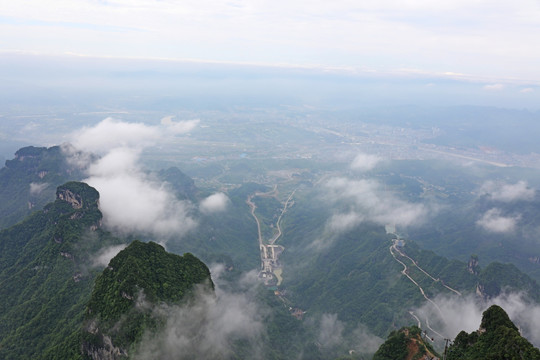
(498, 338)
(46, 276)
(140, 276)
(355, 276)
(407, 343)
(28, 182)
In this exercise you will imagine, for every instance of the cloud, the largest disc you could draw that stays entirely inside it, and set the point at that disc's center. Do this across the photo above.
(345, 221)
(493, 221)
(131, 200)
(214, 203)
(353, 202)
(507, 192)
(104, 256)
(323, 29)
(363, 341)
(494, 87)
(36, 188)
(110, 133)
(180, 127)
(332, 334)
(365, 162)
(208, 326)
(526, 90)
(368, 201)
(330, 330)
(465, 313)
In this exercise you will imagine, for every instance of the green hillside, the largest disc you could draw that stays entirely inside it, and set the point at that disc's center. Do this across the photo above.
(46, 273)
(28, 182)
(497, 338)
(141, 273)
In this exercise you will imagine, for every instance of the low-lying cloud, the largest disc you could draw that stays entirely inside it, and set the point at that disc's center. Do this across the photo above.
(367, 200)
(332, 334)
(494, 221)
(110, 134)
(330, 330)
(208, 327)
(214, 203)
(131, 200)
(104, 256)
(365, 162)
(507, 192)
(465, 313)
(37, 188)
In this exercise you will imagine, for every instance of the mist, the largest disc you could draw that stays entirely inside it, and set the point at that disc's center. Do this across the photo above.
(131, 199)
(465, 313)
(210, 325)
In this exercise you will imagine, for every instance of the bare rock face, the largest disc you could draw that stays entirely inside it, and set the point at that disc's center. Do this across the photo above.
(74, 199)
(79, 195)
(472, 266)
(108, 351)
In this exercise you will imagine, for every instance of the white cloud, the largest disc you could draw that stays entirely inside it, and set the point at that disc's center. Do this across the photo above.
(353, 202)
(214, 203)
(110, 133)
(345, 221)
(332, 334)
(493, 221)
(104, 256)
(466, 35)
(368, 201)
(526, 90)
(365, 162)
(363, 341)
(130, 199)
(494, 87)
(180, 127)
(465, 313)
(37, 188)
(208, 326)
(507, 192)
(330, 330)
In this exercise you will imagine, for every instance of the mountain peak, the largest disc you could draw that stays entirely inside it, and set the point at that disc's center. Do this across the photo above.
(407, 343)
(497, 338)
(78, 194)
(138, 278)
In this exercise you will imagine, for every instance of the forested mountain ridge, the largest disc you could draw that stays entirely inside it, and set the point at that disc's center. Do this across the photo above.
(47, 272)
(497, 338)
(28, 181)
(407, 343)
(136, 280)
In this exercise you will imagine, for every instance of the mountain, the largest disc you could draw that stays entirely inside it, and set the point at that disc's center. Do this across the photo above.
(51, 281)
(47, 272)
(359, 279)
(407, 343)
(28, 182)
(183, 186)
(138, 279)
(497, 338)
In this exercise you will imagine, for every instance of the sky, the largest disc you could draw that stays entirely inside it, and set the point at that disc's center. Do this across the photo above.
(490, 41)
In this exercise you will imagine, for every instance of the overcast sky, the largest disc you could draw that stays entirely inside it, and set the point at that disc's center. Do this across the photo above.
(492, 41)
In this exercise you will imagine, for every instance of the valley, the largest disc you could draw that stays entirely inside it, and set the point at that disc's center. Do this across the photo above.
(314, 232)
